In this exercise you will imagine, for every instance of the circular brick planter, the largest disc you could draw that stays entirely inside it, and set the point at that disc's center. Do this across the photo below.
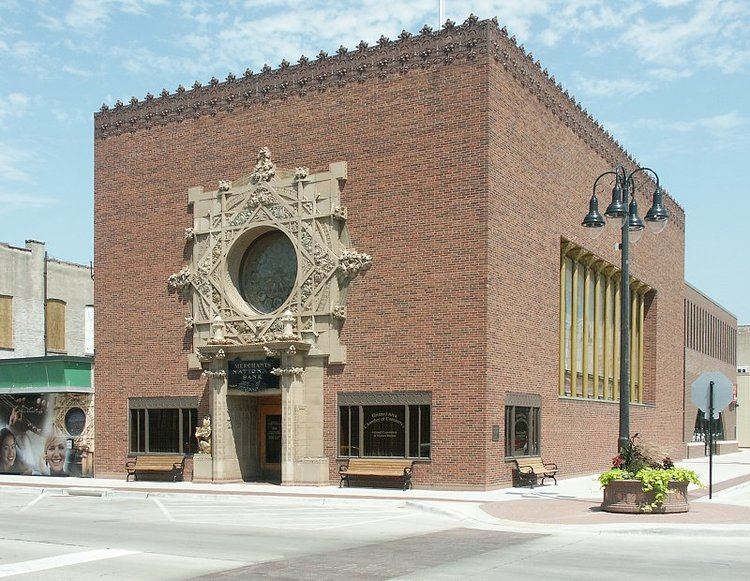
(627, 496)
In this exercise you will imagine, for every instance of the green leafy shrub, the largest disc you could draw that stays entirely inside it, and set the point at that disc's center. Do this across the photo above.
(638, 461)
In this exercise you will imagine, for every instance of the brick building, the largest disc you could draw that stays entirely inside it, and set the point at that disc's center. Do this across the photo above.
(710, 345)
(410, 294)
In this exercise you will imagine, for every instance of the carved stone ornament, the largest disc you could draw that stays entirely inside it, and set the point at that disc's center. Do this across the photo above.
(279, 371)
(339, 312)
(287, 319)
(217, 332)
(315, 248)
(214, 374)
(352, 262)
(220, 354)
(224, 185)
(189, 234)
(301, 173)
(264, 170)
(203, 436)
(341, 213)
(189, 322)
(270, 352)
(179, 281)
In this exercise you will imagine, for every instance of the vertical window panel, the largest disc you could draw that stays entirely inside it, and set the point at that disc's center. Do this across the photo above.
(522, 431)
(574, 365)
(581, 304)
(55, 325)
(88, 330)
(6, 322)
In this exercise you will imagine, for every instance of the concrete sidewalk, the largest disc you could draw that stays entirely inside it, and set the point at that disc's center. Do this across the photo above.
(572, 496)
(579, 504)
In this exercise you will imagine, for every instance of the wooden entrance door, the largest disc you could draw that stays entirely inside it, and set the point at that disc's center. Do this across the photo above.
(270, 442)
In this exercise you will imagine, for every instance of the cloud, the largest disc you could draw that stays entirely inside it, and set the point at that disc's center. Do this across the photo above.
(612, 87)
(259, 36)
(717, 125)
(87, 16)
(707, 36)
(16, 200)
(75, 71)
(13, 105)
(12, 162)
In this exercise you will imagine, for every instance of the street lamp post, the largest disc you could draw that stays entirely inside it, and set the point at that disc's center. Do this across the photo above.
(632, 225)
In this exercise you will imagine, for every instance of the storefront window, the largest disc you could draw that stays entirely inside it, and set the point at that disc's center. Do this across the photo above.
(387, 431)
(521, 431)
(167, 430)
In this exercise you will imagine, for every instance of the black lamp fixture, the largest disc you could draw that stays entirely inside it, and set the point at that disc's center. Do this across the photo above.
(625, 207)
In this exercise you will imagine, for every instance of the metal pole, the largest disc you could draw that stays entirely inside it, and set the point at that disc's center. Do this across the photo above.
(624, 436)
(710, 440)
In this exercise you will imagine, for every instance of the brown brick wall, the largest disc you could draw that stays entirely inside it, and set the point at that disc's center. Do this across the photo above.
(540, 178)
(461, 184)
(416, 202)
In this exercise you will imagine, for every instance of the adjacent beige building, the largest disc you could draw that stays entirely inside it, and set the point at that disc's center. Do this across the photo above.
(743, 385)
(710, 345)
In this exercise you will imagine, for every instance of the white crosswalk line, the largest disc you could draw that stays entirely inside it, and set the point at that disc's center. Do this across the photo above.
(65, 560)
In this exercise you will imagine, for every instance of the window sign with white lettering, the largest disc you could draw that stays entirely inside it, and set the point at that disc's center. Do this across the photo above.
(252, 375)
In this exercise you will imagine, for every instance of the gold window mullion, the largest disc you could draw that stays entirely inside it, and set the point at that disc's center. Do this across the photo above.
(563, 305)
(641, 316)
(574, 332)
(633, 340)
(586, 357)
(616, 350)
(597, 337)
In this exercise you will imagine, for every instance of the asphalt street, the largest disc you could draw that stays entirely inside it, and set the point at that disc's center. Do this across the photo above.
(133, 536)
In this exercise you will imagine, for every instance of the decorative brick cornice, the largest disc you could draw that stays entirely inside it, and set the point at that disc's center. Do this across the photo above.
(387, 57)
(428, 49)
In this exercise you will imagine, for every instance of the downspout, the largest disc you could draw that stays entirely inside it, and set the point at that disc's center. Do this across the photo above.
(44, 304)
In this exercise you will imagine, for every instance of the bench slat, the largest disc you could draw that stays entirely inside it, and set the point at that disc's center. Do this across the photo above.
(397, 468)
(167, 463)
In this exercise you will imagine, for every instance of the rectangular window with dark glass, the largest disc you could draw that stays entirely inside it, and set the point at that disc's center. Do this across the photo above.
(522, 434)
(384, 431)
(168, 430)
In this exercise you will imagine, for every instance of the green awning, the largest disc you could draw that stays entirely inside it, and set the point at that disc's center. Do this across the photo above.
(55, 373)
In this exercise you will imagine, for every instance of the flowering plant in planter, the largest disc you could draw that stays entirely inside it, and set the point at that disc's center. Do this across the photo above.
(644, 462)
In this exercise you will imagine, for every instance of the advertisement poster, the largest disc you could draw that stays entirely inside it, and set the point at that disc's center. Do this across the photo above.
(46, 434)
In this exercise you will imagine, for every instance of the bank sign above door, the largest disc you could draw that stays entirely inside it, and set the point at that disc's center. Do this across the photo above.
(253, 375)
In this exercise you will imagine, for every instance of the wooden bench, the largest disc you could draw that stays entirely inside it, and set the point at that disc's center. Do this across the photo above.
(530, 469)
(379, 467)
(174, 463)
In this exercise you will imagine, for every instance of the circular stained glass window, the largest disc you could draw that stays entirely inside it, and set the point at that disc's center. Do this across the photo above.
(75, 421)
(268, 271)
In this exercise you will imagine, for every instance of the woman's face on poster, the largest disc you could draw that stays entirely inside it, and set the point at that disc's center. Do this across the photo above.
(55, 455)
(8, 451)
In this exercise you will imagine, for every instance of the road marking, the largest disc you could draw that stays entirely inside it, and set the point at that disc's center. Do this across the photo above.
(61, 561)
(367, 522)
(33, 502)
(163, 509)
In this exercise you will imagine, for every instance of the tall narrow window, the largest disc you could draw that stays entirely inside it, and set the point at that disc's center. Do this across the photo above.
(590, 322)
(55, 325)
(6, 322)
(88, 330)
(522, 435)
